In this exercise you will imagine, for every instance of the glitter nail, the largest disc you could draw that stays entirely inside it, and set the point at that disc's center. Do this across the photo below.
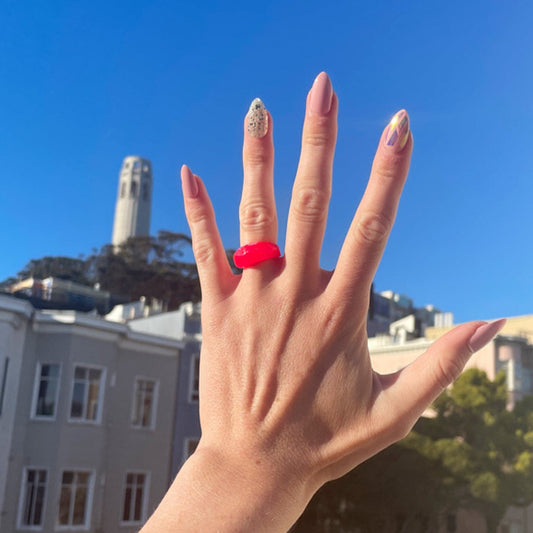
(257, 119)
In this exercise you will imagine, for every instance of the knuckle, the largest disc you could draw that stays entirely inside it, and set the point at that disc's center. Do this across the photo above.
(402, 430)
(203, 251)
(447, 371)
(197, 214)
(255, 215)
(374, 228)
(258, 157)
(386, 172)
(310, 204)
(317, 138)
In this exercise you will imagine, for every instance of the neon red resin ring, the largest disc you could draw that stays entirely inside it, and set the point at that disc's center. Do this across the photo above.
(252, 254)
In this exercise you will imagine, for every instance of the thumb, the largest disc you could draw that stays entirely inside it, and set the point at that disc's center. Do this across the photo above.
(409, 391)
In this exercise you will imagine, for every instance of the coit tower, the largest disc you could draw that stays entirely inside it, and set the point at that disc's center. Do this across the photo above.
(134, 199)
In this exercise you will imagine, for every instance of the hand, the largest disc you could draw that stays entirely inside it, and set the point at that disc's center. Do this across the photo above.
(288, 397)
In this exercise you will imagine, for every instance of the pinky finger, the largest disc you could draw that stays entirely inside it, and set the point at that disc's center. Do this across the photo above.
(216, 277)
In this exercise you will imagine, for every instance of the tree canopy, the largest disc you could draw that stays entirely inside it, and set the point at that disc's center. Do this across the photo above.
(152, 267)
(473, 454)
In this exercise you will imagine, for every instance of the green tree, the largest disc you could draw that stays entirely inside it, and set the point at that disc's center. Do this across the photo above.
(397, 491)
(482, 445)
(473, 454)
(152, 267)
(68, 268)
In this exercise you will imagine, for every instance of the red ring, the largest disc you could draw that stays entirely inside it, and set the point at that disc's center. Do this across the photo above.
(252, 254)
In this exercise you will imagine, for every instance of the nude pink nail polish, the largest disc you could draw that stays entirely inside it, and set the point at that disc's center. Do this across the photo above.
(398, 132)
(485, 333)
(321, 95)
(189, 184)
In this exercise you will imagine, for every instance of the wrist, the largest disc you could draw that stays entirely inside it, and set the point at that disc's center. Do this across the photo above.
(231, 493)
(254, 492)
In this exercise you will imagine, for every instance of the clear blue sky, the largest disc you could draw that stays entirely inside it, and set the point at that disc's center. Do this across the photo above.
(83, 84)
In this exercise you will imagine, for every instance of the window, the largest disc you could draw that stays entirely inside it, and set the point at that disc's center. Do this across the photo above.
(86, 394)
(74, 498)
(146, 191)
(133, 190)
(451, 523)
(136, 164)
(134, 497)
(46, 391)
(123, 190)
(193, 325)
(3, 384)
(195, 378)
(33, 493)
(144, 403)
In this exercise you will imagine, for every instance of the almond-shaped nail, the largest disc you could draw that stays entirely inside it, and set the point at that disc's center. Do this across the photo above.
(398, 132)
(257, 119)
(321, 95)
(189, 184)
(485, 333)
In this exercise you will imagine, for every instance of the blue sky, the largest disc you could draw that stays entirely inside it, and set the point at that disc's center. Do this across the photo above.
(86, 83)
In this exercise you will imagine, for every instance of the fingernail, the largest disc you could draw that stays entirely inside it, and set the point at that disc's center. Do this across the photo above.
(321, 95)
(257, 119)
(189, 184)
(485, 333)
(398, 131)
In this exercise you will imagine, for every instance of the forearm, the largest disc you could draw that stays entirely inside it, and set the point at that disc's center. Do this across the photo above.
(228, 495)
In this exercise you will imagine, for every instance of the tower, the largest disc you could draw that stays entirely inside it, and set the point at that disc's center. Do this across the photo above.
(134, 200)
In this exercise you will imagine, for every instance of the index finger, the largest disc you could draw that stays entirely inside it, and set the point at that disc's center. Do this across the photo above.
(372, 223)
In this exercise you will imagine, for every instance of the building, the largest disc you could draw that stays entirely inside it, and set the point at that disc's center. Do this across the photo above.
(184, 326)
(511, 351)
(55, 293)
(134, 200)
(387, 307)
(85, 425)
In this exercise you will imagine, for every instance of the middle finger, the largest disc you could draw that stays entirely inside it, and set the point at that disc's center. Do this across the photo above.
(312, 186)
(257, 210)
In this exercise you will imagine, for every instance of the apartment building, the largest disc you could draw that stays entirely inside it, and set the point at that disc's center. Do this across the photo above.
(86, 421)
(511, 351)
(183, 325)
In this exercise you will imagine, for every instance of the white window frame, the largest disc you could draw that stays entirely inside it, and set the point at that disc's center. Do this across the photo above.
(144, 504)
(103, 380)
(37, 381)
(195, 357)
(22, 494)
(89, 502)
(155, 398)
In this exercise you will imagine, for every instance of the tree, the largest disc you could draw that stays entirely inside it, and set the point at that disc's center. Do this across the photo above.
(473, 454)
(397, 491)
(152, 267)
(482, 445)
(67, 268)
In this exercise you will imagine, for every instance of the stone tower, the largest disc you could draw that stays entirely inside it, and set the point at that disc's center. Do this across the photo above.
(134, 200)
